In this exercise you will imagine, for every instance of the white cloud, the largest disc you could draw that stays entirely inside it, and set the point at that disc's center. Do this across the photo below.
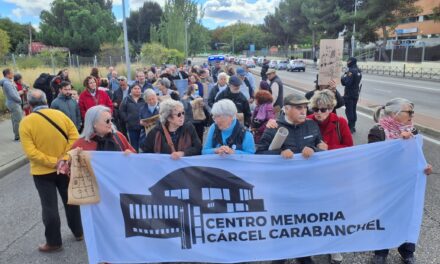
(29, 7)
(136, 4)
(230, 11)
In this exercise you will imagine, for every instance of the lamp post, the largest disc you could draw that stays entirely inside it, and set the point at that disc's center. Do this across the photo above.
(354, 30)
(127, 55)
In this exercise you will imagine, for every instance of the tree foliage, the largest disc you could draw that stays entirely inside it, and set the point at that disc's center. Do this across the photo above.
(17, 32)
(155, 53)
(80, 25)
(4, 43)
(140, 22)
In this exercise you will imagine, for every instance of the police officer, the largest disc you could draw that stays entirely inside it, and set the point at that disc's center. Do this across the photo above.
(351, 80)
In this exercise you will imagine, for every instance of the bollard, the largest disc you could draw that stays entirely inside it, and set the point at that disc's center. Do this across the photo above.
(404, 68)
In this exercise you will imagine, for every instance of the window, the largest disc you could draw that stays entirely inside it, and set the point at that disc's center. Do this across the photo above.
(245, 194)
(167, 193)
(205, 194)
(185, 194)
(226, 195)
(230, 207)
(239, 207)
(176, 193)
(215, 193)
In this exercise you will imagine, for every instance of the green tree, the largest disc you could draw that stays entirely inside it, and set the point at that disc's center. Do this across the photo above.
(4, 43)
(17, 32)
(238, 37)
(154, 53)
(140, 22)
(80, 25)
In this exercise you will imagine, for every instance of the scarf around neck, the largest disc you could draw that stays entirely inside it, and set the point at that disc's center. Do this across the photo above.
(392, 128)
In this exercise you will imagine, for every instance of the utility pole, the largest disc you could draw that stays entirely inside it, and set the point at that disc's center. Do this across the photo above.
(354, 30)
(127, 55)
(30, 39)
(233, 43)
(186, 39)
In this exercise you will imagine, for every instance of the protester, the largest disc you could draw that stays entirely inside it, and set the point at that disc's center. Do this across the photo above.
(216, 70)
(245, 86)
(113, 82)
(67, 105)
(100, 133)
(149, 109)
(13, 100)
(233, 93)
(75, 95)
(18, 80)
(334, 129)
(91, 96)
(264, 69)
(262, 113)
(151, 78)
(395, 123)
(165, 91)
(330, 86)
(110, 72)
(63, 75)
(130, 112)
(264, 85)
(172, 135)
(195, 113)
(219, 87)
(227, 135)
(95, 73)
(117, 98)
(194, 79)
(141, 81)
(45, 144)
(351, 80)
(250, 77)
(276, 89)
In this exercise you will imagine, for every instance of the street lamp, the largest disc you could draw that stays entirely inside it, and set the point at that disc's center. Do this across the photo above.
(354, 30)
(127, 55)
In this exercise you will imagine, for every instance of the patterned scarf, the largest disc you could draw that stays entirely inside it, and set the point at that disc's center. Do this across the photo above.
(392, 128)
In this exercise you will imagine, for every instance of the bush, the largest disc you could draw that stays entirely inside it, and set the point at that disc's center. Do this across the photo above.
(2, 103)
(175, 57)
(155, 53)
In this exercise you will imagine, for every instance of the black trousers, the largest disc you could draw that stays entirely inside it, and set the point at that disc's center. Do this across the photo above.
(406, 250)
(350, 111)
(47, 186)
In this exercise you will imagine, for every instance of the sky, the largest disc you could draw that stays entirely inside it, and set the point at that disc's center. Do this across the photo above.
(217, 12)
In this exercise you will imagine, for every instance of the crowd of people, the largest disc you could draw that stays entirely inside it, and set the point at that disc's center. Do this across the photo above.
(218, 110)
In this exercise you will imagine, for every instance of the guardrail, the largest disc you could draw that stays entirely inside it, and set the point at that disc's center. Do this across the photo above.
(404, 71)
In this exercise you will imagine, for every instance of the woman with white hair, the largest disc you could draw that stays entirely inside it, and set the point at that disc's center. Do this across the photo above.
(395, 123)
(172, 135)
(165, 92)
(227, 135)
(100, 134)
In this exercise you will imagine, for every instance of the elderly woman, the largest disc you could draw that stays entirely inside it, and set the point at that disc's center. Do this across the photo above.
(394, 124)
(220, 86)
(227, 135)
(100, 134)
(331, 86)
(149, 109)
(172, 135)
(165, 92)
(334, 129)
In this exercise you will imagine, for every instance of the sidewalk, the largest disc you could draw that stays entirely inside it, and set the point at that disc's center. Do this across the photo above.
(11, 154)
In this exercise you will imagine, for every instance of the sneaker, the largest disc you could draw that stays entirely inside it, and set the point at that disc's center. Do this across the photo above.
(410, 260)
(379, 259)
(17, 139)
(46, 248)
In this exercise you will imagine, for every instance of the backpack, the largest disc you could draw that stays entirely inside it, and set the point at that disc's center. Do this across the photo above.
(43, 83)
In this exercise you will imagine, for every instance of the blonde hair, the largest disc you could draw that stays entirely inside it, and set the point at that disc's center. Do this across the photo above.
(324, 97)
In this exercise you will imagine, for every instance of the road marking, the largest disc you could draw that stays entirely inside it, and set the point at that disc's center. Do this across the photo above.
(383, 91)
(428, 138)
(406, 85)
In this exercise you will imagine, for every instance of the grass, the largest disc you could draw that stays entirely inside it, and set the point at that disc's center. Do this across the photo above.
(76, 75)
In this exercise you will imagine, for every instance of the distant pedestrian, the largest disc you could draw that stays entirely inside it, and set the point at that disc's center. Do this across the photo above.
(264, 69)
(21, 86)
(13, 100)
(66, 104)
(352, 82)
(46, 135)
(276, 89)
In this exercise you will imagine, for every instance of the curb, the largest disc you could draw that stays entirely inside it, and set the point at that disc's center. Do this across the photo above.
(423, 129)
(13, 165)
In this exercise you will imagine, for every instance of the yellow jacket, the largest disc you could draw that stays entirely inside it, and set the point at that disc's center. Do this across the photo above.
(42, 143)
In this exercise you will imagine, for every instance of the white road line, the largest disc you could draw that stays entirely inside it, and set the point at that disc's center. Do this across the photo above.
(430, 139)
(381, 90)
(406, 85)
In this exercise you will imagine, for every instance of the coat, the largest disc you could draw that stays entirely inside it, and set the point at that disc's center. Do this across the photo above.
(129, 112)
(240, 102)
(69, 107)
(87, 100)
(329, 131)
(92, 145)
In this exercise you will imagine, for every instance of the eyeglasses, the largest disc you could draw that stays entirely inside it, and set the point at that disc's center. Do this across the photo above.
(180, 114)
(108, 121)
(410, 112)
(322, 110)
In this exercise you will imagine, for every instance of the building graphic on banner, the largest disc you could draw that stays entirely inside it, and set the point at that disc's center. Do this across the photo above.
(179, 201)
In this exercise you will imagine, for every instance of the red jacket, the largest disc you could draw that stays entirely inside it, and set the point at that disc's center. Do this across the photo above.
(329, 131)
(91, 145)
(87, 100)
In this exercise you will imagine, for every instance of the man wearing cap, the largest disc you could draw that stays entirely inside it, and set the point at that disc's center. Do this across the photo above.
(118, 96)
(245, 87)
(216, 70)
(233, 93)
(304, 135)
(277, 90)
(351, 80)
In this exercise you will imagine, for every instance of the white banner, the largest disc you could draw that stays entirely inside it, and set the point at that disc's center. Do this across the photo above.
(254, 207)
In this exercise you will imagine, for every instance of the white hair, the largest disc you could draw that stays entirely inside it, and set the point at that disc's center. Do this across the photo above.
(222, 74)
(148, 92)
(92, 116)
(224, 107)
(165, 82)
(394, 106)
(36, 97)
(166, 109)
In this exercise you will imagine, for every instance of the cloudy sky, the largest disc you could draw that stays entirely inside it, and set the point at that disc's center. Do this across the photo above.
(217, 12)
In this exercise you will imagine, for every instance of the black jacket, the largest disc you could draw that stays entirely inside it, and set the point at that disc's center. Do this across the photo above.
(240, 102)
(212, 94)
(351, 80)
(196, 148)
(306, 134)
(264, 69)
(129, 112)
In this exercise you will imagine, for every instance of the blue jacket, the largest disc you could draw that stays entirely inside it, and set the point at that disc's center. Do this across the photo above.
(247, 144)
(10, 92)
(69, 107)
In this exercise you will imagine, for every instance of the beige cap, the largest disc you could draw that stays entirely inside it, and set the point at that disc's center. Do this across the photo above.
(270, 71)
(295, 99)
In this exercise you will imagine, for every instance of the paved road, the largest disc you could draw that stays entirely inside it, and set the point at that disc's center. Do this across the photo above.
(21, 228)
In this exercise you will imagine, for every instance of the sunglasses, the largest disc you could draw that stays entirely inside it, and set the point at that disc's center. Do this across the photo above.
(108, 121)
(180, 114)
(410, 112)
(322, 110)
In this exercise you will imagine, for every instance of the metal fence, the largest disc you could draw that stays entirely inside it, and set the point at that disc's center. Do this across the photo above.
(404, 71)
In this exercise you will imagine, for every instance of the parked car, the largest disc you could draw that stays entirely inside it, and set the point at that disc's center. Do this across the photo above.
(281, 65)
(250, 63)
(296, 65)
(272, 64)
